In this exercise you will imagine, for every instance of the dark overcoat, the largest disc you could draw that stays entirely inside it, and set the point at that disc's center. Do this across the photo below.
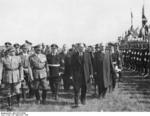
(108, 71)
(98, 68)
(77, 66)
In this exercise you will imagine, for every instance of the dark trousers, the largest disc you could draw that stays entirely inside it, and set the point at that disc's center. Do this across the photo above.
(83, 89)
(66, 82)
(54, 84)
(29, 86)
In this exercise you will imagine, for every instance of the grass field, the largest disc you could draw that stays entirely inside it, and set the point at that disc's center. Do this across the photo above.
(132, 94)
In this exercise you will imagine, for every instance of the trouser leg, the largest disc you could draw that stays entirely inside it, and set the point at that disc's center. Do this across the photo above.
(44, 94)
(76, 95)
(51, 83)
(9, 101)
(37, 94)
(83, 93)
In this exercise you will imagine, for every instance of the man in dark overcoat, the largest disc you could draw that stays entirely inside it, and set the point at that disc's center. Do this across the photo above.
(108, 70)
(82, 71)
(98, 70)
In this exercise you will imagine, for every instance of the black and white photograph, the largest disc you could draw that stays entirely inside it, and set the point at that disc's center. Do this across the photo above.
(74, 56)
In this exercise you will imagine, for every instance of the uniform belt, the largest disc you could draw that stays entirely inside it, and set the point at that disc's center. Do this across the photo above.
(54, 65)
(7, 69)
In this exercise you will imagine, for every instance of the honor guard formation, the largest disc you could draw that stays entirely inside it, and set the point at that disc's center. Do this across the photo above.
(28, 71)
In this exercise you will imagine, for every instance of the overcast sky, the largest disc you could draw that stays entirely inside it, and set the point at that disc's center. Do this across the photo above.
(67, 21)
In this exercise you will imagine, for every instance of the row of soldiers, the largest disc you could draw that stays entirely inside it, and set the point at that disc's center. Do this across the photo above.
(136, 57)
(33, 67)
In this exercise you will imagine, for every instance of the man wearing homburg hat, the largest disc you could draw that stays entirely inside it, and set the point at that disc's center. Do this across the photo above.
(38, 63)
(12, 75)
(82, 72)
(53, 60)
(98, 70)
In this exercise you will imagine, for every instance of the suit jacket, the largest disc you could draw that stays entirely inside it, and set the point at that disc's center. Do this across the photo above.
(81, 69)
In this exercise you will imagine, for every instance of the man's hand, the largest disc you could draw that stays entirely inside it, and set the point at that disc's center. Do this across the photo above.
(71, 77)
(91, 76)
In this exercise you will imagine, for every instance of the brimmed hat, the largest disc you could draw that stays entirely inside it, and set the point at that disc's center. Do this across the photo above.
(39, 47)
(97, 46)
(16, 45)
(8, 43)
(24, 46)
(54, 46)
(27, 42)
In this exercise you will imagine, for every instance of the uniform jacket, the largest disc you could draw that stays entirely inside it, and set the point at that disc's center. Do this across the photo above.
(38, 66)
(26, 65)
(12, 71)
(53, 60)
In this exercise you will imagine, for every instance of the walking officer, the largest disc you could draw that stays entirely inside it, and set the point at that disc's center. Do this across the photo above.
(38, 63)
(27, 71)
(12, 75)
(53, 60)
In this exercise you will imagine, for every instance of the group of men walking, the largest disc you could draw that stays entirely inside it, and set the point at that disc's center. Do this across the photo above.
(32, 67)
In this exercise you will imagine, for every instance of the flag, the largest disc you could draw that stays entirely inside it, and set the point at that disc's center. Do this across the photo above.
(131, 21)
(131, 15)
(144, 19)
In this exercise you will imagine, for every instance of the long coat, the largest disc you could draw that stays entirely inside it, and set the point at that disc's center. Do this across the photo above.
(78, 66)
(108, 71)
(98, 68)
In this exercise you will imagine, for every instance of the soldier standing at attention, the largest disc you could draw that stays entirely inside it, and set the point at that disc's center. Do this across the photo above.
(12, 75)
(38, 63)
(53, 60)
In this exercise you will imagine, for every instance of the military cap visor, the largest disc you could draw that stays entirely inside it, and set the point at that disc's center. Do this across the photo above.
(54, 46)
(8, 43)
(28, 42)
(38, 47)
(24, 46)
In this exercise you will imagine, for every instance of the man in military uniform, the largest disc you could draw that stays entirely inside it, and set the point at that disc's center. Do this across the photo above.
(63, 56)
(12, 75)
(27, 71)
(38, 63)
(53, 60)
